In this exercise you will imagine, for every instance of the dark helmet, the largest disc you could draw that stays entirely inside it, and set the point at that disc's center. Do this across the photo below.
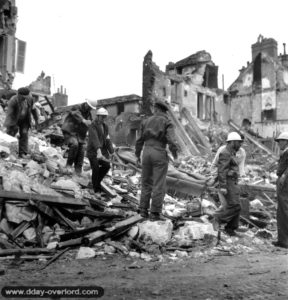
(162, 105)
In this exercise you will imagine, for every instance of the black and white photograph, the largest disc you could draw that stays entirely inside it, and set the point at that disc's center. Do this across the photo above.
(143, 150)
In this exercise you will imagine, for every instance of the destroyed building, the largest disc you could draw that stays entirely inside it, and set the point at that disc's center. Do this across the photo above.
(123, 117)
(260, 93)
(9, 45)
(191, 83)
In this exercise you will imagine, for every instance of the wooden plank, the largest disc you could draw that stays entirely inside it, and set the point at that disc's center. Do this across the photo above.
(82, 232)
(98, 214)
(117, 229)
(40, 197)
(20, 229)
(107, 190)
(130, 221)
(66, 220)
(183, 134)
(251, 188)
(200, 136)
(19, 252)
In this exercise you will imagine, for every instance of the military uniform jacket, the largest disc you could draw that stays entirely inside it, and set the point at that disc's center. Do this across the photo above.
(160, 130)
(227, 167)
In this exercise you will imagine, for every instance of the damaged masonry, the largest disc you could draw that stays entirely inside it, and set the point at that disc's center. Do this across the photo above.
(51, 212)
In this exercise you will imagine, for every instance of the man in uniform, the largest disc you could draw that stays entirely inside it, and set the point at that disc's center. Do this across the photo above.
(282, 192)
(75, 128)
(228, 172)
(18, 118)
(155, 133)
(99, 148)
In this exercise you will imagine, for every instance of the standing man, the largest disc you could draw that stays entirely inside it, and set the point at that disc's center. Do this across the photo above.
(155, 133)
(228, 172)
(18, 118)
(75, 128)
(98, 149)
(282, 192)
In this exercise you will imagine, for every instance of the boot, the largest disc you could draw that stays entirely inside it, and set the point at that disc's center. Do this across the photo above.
(156, 217)
(279, 244)
(143, 213)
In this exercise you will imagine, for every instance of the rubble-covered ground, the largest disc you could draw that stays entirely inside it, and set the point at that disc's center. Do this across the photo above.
(55, 231)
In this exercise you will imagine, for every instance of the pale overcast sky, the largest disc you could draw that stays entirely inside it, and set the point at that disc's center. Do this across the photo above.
(95, 48)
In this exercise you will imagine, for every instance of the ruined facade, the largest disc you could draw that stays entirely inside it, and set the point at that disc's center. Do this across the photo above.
(191, 82)
(117, 105)
(8, 19)
(260, 93)
(123, 119)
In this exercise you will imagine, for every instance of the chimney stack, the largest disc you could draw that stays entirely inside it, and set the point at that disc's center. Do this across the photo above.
(284, 47)
(265, 45)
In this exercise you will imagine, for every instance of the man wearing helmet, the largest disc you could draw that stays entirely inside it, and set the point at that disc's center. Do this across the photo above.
(75, 128)
(228, 172)
(98, 149)
(155, 133)
(282, 192)
(18, 117)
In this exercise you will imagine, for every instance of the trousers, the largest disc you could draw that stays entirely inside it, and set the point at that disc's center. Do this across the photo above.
(23, 138)
(76, 152)
(154, 171)
(231, 212)
(99, 169)
(282, 215)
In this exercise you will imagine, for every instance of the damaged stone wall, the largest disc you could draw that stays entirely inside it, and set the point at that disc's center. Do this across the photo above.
(260, 92)
(8, 19)
(191, 83)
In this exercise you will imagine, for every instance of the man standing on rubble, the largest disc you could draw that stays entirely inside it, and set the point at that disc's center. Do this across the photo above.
(18, 118)
(155, 133)
(75, 128)
(228, 172)
(99, 148)
(282, 192)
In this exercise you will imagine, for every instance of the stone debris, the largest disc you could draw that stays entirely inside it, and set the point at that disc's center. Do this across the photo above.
(45, 206)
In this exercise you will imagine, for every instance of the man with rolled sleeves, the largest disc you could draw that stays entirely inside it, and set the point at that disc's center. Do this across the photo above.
(155, 133)
(282, 192)
(18, 118)
(228, 173)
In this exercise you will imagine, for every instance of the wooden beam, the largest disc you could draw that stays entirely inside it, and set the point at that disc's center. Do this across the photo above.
(117, 229)
(66, 220)
(183, 134)
(196, 130)
(107, 190)
(20, 252)
(82, 232)
(40, 197)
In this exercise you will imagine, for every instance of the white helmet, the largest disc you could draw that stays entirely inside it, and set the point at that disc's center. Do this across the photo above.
(282, 136)
(233, 136)
(102, 112)
(92, 103)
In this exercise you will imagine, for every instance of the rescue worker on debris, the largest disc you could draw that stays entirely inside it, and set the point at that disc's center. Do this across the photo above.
(228, 172)
(282, 192)
(240, 159)
(155, 133)
(18, 118)
(74, 129)
(99, 148)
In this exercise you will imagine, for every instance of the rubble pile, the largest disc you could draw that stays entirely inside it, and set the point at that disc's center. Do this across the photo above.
(46, 210)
